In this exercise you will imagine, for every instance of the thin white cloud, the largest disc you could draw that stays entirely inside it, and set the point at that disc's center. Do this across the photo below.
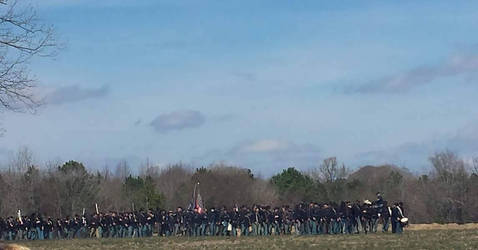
(74, 93)
(414, 155)
(263, 146)
(178, 120)
(459, 64)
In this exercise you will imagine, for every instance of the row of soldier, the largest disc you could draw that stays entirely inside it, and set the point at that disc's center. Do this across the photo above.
(302, 219)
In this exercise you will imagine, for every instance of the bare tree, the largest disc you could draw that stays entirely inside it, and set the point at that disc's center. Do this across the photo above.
(174, 183)
(17, 190)
(22, 37)
(149, 169)
(451, 185)
(475, 165)
(122, 170)
(262, 192)
(78, 188)
(109, 191)
(22, 160)
(330, 171)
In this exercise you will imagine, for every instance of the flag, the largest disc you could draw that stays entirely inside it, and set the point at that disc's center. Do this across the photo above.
(196, 201)
(192, 204)
(199, 204)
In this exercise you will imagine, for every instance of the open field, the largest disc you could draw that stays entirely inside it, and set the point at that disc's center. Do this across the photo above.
(417, 237)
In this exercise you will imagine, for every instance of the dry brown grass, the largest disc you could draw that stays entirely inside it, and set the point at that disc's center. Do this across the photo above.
(431, 236)
(436, 226)
(12, 247)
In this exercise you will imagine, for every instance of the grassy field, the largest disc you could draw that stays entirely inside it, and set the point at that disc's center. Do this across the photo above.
(411, 239)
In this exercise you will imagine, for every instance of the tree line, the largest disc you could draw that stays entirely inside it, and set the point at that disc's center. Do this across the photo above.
(446, 194)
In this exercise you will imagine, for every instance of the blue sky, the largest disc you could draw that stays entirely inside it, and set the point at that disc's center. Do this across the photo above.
(260, 84)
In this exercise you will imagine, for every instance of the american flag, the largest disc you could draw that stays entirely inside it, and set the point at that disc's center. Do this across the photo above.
(199, 204)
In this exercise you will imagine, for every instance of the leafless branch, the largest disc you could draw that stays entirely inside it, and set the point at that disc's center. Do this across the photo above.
(22, 37)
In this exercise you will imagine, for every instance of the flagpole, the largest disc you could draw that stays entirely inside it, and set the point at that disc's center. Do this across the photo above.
(197, 194)
(194, 195)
